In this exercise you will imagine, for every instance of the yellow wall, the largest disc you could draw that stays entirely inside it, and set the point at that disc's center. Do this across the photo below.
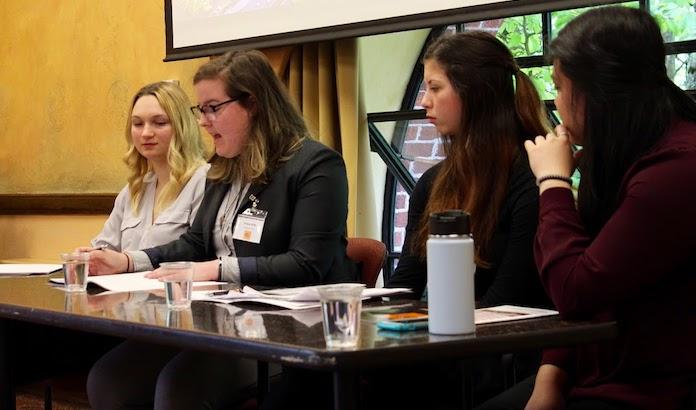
(44, 237)
(67, 72)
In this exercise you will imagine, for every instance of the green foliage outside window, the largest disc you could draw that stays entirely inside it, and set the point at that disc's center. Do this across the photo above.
(560, 18)
(522, 35)
(677, 19)
(541, 77)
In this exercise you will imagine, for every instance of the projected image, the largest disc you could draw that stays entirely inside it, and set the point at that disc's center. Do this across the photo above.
(196, 23)
(211, 8)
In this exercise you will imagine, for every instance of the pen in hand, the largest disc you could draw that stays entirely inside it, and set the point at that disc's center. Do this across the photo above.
(218, 293)
(92, 248)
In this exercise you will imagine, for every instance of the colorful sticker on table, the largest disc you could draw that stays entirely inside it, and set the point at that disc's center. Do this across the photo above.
(249, 225)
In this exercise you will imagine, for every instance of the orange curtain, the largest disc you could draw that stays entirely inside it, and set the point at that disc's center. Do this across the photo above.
(323, 80)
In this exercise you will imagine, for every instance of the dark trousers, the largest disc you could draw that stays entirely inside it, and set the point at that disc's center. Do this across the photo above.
(517, 397)
(300, 389)
(41, 352)
(137, 375)
(425, 386)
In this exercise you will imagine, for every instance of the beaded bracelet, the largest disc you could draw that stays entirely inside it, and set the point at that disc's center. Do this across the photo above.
(556, 177)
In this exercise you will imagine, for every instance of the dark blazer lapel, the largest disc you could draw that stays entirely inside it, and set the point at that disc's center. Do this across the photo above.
(217, 194)
(255, 189)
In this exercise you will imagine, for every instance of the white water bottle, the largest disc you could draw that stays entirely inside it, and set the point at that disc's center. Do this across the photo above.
(451, 268)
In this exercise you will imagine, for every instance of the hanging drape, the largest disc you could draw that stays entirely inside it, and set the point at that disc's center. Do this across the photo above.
(323, 80)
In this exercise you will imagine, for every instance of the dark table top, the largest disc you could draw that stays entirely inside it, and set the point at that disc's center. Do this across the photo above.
(289, 337)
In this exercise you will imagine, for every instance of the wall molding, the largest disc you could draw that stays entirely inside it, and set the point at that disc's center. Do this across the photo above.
(56, 204)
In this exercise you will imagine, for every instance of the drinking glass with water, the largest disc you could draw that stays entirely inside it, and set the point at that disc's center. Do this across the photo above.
(75, 270)
(340, 308)
(177, 284)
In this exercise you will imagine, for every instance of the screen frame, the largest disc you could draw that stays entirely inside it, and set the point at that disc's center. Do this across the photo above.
(381, 26)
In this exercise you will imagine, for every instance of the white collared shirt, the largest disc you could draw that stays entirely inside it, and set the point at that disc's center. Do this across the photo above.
(222, 232)
(222, 237)
(126, 231)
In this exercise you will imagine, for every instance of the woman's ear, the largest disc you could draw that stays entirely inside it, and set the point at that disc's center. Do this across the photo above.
(252, 105)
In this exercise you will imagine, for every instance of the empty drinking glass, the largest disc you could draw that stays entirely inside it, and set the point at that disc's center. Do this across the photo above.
(75, 270)
(340, 307)
(177, 284)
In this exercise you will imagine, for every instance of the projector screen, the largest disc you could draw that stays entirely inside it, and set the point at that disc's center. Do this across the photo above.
(197, 28)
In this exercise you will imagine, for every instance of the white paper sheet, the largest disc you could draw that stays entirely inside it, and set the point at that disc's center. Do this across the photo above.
(506, 313)
(266, 301)
(290, 298)
(24, 269)
(311, 293)
(130, 282)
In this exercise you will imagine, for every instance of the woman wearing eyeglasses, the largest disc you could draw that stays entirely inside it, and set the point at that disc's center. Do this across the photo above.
(273, 214)
(167, 165)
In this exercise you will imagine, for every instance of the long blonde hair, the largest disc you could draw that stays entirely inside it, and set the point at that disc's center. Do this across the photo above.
(186, 149)
(277, 127)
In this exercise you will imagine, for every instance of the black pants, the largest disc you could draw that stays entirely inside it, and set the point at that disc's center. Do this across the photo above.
(137, 375)
(517, 397)
(300, 389)
(41, 352)
(421, 386)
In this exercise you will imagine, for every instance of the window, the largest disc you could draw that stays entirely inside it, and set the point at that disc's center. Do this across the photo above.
(415, 145)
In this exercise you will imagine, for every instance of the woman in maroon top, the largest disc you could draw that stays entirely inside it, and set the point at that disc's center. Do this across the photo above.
(628, 251)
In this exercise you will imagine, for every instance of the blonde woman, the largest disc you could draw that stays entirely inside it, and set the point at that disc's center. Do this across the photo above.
(166, 157)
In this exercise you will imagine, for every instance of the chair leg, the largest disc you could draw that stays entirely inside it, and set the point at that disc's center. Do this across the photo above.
(48, 397)
(262, 381)
(7, 387)
(467, 383)
(507, 362)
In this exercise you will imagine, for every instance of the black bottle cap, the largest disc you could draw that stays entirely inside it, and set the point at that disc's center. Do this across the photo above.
(451, 222)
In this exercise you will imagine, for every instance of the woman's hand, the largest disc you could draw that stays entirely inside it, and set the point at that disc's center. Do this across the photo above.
(551, 155)
(106, 302)
(549, 388)
(202, 271)
(107, 262)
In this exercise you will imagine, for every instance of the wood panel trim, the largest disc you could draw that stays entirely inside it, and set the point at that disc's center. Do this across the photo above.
(56, 204)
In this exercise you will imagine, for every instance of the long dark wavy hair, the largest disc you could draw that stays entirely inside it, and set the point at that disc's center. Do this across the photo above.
(615, 60)
(500, 110)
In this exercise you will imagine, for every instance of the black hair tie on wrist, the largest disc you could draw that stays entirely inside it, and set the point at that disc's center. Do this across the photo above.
(556, 177)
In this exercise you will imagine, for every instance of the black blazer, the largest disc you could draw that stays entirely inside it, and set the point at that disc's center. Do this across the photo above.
(304, 236)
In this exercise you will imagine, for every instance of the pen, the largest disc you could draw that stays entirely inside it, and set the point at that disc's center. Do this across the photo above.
(218, 293)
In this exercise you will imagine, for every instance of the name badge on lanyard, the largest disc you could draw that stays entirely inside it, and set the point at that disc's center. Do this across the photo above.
(249, 225)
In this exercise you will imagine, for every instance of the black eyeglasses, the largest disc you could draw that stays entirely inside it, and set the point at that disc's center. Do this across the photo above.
(209, 110)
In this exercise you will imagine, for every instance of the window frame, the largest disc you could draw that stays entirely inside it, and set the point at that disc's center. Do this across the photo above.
(390, 153)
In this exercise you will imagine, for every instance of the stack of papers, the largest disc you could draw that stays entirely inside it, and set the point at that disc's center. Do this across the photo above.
(289, 298)
(506, 313)
(24, 269)
(129, 282)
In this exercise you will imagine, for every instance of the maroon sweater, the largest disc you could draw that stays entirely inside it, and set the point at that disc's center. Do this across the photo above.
(640, 270)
